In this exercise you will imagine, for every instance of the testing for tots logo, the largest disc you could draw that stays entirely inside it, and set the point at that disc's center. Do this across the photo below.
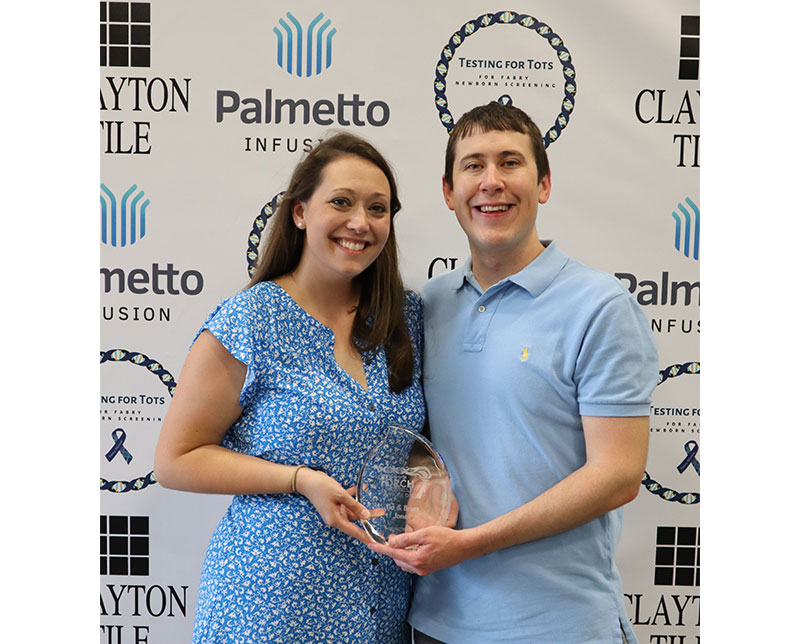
(675, 424)
(511, 58)
(132, 407)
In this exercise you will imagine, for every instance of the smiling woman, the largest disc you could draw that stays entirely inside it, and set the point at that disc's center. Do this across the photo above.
(286, 388)
(346, 221)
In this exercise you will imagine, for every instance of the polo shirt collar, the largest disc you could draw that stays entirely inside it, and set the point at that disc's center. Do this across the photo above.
(534, 278)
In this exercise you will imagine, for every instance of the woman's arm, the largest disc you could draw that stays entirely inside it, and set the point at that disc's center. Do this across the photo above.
(189, 455)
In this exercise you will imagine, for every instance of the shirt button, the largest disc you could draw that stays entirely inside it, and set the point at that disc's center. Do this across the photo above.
(368, 361)
(481, 308)
(372, 406)
(372, 610)
(374, 561)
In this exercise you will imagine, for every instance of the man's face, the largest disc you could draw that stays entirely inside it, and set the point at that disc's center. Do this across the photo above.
(496, 195)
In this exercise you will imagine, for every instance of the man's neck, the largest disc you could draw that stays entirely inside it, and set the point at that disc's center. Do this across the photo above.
(490, 268)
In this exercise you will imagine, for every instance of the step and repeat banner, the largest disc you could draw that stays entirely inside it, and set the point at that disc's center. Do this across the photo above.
(205, 108)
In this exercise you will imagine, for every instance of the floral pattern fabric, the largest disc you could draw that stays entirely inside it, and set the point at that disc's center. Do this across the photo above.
(274, 573)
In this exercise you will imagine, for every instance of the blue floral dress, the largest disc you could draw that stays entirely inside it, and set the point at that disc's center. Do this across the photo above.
(274, 572)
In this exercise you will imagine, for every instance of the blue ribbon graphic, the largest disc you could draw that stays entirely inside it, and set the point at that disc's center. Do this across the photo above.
(691, 457)
(119, 446)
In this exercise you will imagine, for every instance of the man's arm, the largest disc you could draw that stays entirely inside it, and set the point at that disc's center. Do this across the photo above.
(616, 453)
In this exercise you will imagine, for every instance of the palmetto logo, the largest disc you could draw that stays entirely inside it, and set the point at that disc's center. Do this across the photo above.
(123, 225)
(687, 230)
(301, 56)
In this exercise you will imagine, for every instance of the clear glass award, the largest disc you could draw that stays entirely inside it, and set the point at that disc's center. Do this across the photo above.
(406, 485)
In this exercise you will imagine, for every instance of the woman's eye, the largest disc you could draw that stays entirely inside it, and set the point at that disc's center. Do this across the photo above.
(379, 209)
(339, 201)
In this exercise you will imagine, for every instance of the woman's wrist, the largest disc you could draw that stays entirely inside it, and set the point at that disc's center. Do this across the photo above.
(302, 476)
(295, 473)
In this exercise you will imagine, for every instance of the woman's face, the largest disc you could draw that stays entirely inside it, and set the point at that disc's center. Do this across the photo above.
(346, 219)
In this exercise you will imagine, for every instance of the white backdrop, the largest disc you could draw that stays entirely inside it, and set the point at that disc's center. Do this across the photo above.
(197, 171)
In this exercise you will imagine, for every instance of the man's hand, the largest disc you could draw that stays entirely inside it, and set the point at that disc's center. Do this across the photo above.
(431, 501)
(427, 550)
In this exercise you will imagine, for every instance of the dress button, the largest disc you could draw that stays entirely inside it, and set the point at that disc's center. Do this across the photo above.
(372, 406)
(374, 561)
(481, 308)
(372, 610)
(368, 361)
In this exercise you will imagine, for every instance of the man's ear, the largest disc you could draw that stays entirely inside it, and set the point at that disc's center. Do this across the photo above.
(545, 186)
(447, 191)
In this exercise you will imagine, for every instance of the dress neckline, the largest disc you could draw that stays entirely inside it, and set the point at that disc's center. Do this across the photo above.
(283, 293)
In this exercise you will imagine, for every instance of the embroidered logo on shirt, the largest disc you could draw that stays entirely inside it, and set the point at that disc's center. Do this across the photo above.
(524, 355)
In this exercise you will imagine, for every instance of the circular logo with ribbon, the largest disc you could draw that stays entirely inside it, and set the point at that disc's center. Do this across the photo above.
(254, 239)
(537, 74)
(124, 409)
(691, 448)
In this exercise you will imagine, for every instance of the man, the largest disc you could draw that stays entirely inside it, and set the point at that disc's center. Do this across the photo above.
(538, 373)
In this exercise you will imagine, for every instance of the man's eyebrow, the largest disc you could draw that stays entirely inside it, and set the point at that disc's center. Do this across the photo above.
(481, 155)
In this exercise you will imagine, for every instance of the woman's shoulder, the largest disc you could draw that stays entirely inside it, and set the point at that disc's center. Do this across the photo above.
(412, 303)
(261, 294)
(249, 303)
(412, 309)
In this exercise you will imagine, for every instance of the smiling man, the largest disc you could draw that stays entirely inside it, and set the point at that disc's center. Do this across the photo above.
(538, 374)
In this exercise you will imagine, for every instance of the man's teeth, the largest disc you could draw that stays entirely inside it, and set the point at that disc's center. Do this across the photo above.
(351, 245)
(493, 208)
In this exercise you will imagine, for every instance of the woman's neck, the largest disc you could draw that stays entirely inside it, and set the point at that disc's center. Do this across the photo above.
(330, 301)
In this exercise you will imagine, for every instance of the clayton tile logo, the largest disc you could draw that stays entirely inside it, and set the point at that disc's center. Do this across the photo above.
(677, 556)
(689, 66)
(125, 34)
(687, 229)
(124, 545)
(304, 51)
(126, 225)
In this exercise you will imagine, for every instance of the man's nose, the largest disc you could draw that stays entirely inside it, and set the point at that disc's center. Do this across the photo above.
(492, 179)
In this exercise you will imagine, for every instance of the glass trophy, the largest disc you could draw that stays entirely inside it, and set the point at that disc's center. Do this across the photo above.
(405, 484)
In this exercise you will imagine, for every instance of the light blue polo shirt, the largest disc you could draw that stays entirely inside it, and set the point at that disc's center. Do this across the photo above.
(508, 373)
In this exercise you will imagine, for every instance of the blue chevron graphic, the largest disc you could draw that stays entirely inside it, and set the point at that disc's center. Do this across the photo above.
(687, 230)
(126, 226)
(315, 50)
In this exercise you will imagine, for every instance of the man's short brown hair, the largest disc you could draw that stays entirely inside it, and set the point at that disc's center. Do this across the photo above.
(494, 116)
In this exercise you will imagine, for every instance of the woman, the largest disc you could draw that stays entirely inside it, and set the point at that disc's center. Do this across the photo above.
(286, 388)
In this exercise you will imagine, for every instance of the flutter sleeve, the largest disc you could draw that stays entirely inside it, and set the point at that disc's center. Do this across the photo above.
(234, 323)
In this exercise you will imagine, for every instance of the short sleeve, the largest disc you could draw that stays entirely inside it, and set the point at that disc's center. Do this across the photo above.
(617, 368)
(233, 324)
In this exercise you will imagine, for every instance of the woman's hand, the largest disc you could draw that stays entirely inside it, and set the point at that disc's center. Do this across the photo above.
(335, 505)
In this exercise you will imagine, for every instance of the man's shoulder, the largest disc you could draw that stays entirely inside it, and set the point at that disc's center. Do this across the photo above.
(441, 284)
(585, 282)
